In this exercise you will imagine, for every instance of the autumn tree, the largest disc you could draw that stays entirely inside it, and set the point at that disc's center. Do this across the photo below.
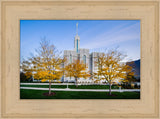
(130, 78)
(76, 69)
(111, 68)
(46, 65)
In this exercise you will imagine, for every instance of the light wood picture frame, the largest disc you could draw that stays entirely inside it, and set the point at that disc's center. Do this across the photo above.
(12, 11)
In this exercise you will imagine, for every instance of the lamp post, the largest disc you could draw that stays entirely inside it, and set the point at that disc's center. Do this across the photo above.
(67, 84)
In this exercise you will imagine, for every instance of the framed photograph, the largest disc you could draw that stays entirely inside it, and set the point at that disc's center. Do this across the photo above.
(106, 59)
(79, 59)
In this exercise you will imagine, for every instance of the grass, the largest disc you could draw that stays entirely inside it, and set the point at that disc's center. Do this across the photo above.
(73, 86)
(38, 94)
(45, 86)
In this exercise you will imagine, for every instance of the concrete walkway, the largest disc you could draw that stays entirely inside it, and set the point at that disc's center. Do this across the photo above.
(90, 90)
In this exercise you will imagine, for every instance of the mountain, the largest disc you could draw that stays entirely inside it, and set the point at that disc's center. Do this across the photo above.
(136, 67)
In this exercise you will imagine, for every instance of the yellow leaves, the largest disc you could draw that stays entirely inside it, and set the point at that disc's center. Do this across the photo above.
(46, 65)
(43, 68)
(28, 74)
(110, 67)
(86, 75)
(47, 75)
(44, 80)
(76, 69)
(58, 81)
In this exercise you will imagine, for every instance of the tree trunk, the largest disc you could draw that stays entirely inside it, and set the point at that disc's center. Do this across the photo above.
(110, 89)
(50, 87)
(76, 83)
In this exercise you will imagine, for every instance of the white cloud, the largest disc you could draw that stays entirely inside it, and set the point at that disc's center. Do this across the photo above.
(116, 35)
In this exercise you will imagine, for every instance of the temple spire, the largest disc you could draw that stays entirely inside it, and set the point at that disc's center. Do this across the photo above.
(76, 40)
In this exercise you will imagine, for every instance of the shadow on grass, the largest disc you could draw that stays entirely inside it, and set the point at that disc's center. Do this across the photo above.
(38, 94)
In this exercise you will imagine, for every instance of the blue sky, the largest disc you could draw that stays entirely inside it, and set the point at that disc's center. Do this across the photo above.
(96, 35)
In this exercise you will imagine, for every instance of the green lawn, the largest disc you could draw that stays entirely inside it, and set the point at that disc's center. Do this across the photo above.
(38, 94)
(44, 86)
(73, 86)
